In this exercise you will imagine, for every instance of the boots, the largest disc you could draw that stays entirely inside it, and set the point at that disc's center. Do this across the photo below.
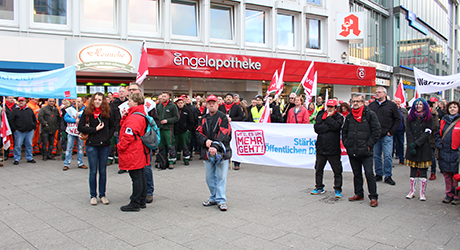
(422, 189)
(413, 185)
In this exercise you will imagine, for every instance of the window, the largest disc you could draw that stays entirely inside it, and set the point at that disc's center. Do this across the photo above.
(7, 10)
(314, 1)
(184, 18)
(313, 33)
(98, 15)
(50, 11)
(143, 17)
(285, 30)
(255, 26)
(222, 22)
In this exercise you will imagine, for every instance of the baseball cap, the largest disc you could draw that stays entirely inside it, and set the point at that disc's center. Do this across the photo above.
(183, 96)
(21, 99)
(340, 102)
(331, 102)
(179, 99)
(258, 96)
(211, 98)
(433, 99)
(116, 95)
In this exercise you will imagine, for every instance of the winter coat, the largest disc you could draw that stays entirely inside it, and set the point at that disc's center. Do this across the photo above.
(389, 117)
(435, 127)
(448, 158)
(169, 113)
(186, 120)
(97, 138)
(328, 130)
(221, 131)
(49, 119)
(22, 119)
(359, 138)
(235, 112)
(418, 132)
(131, 150)
(302, 116)
(275, 116)
(286, 111)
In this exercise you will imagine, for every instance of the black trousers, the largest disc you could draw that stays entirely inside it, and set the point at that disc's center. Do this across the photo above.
(423, 172)
(139, 187)
(336, 165)
(47, 142)
(357, 165)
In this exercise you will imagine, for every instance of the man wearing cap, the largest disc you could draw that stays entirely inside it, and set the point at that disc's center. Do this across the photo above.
(234, 113)
(182, 130)
(328, 125)
(168, 113)
(399, 134)
(214, 135)
(22, 123)
(291, 105)
(255, 113)
(50, 119)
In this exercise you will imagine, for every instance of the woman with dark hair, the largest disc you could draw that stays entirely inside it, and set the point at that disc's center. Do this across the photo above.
(99, 125)
(344, 109)
(418, 153)
(447, 142)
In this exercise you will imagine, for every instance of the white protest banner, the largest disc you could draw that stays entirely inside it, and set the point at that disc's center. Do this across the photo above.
(428, 83)
(275, 144)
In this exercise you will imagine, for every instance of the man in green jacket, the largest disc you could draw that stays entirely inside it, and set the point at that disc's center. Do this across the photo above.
(49, 118)
(168, 114)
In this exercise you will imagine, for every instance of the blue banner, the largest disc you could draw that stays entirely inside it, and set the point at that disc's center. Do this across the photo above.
(59, 83)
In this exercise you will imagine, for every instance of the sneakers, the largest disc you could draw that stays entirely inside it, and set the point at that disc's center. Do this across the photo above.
(186, 163)
(318, 191)
(378, 177)
(209, 203)
(121, 171)
(171, 166)
(338, 194)
(105, 201)
(93, 201)
(16, 163)
(448, 199)
(222, 207)
(31, 161)
(390, 181)
(149, 199)
(455, 202)
(129, 208)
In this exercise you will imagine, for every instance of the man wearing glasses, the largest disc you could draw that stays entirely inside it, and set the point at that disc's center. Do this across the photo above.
(23, 123)
(291, 104)
(389, 119)
(359, 134)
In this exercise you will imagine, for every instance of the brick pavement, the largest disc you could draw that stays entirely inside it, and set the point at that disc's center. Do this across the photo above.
(43, 207)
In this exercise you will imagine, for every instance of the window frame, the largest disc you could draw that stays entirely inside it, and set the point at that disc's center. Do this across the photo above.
(143, 33)
(198, 22)
(15, 21)
(52, 26)
(113, 31)
(267, 41)
(295, 30)
(322, 22)
(232, 23)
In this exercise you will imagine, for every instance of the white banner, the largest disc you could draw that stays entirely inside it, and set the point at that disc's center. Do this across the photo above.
(275, 144)
(428, 83)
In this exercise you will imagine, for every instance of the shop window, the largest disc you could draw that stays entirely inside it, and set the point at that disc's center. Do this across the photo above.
(221, 22)
(184, 18)
(143, 17)
(313, 33)
(50, 11)
(7, 10)
(98, 16)
(255, 26)
(285, 30)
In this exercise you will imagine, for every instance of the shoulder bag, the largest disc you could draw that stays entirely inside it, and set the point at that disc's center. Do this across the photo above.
(82, 136)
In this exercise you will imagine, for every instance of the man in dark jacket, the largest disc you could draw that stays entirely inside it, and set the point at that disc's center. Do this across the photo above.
(115, 113)
(22, 122)
(328, 125)
(182, 130)
(168, 114)
(288, 107)
(360, 133)
(275, 113)
(390, 119)
(214, 135)
(49, 119)
(234, 113)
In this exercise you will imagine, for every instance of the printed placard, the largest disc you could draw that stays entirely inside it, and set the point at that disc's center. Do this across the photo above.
(250, 142)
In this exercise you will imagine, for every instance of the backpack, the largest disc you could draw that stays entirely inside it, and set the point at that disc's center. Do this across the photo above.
(151, 138)
(161, 162)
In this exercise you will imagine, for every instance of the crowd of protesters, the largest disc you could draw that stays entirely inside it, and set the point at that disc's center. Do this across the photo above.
(372, 131)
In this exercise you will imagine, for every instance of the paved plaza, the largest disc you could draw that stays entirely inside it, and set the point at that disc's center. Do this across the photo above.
(43, 207)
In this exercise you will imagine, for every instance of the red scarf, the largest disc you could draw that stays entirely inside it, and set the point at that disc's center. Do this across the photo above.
(96, 112)
(345, 113)
(325, 115)
(358, 113)
(238, 103)
(228, 107)
(202, 109)
(10, 105)
(166, 103)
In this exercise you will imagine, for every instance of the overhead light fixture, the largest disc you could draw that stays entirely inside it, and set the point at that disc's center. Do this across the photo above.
(106, 84)
(123, 84)
(89, 84)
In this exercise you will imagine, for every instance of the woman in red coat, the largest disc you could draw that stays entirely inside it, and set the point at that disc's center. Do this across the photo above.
(298, 114)
(131, 151)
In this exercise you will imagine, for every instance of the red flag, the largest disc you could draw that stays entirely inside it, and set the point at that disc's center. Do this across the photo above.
(265, 118)
(143, 69)
(273, 87)
(279, 85)
(5, 130)
(401, 94)
(308, 81)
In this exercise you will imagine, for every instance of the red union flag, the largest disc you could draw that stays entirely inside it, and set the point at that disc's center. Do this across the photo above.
(401, 94)
(273, 87)
(280, 84)
(5, 131)
(308, 81)
(265, 118)
(143, 69)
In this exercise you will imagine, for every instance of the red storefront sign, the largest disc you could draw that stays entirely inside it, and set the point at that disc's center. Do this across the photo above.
(178, 63)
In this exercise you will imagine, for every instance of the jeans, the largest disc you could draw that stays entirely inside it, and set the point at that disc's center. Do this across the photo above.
(149, 177)
(68, 153)
(216, 178)
(47, 142)
(385, 146)
(19, 139)
(97, 159)
(399, 143)
(357, 165)
(139, 187)
(336, 165)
